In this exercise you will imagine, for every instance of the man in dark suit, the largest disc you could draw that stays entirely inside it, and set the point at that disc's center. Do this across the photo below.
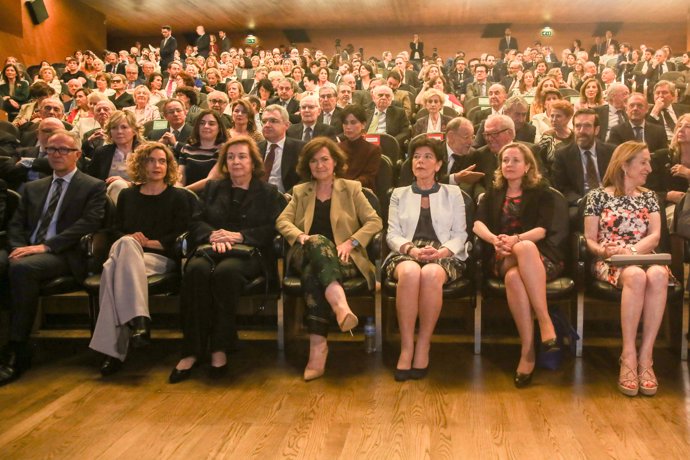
(309, 127)
(665, 111)
(459, 74)
(223, 41)
(218, 101)
(53, 214)
(177, 133)
(480, 85)
(251, 85)
(31, 163)
(598, 49)
(168, 47)
(580, 166)
(636, 128)
(113, 65)
(517, 109)
(132, 79)
(497, 97)
(386, 118)
(95, 138)
(203, 42)
(612, 113)
(409, 76)
(286, 98)
(48, 107)
(460, 156)
(512, 80)
(280, 153)
(330, 112)
(507, 42)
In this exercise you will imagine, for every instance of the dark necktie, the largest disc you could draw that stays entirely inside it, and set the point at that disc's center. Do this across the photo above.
(621, 118)
(50, 211)
(638, 133)
(176, 133)
(592, 178)
(306, 137)
(455, 167)
(268, 162)
(668, 119)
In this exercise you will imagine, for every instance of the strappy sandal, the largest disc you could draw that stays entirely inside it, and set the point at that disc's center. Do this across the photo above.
(647, 380)
(629, 383)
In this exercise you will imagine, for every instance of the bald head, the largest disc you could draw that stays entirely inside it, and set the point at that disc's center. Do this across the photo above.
(46, 128)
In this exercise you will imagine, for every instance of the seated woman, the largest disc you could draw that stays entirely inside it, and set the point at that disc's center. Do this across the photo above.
(264, 92)
(142, 109)
(526, 84)
(14, 90)
(542, 121)
(670, 177)
(189, 98)
(435, 121)
(240, 208)
(624, 218)
(244, 121)
(328, 222)
(363, 158)
(439, 83)
(561, 132)
(150, 216)
(81, 107)
(109, 162)
(155, 86)
(576, 76)
(103, 84)
(557, 74)
(515, 218)
(537, 106)
(366, 74)
(591, 95)
(200, 154)
(427, 234)
(214, 83)
(48, 75)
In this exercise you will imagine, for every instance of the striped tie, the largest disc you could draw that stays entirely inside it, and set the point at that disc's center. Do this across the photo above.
(50, 211)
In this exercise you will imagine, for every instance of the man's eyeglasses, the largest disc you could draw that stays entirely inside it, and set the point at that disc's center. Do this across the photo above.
(494, 133)
(60, 150)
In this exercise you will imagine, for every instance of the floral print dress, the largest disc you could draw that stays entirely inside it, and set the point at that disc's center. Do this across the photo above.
(623, 220)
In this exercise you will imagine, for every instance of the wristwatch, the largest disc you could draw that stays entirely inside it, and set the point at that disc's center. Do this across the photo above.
(633, 249)
(355, 243)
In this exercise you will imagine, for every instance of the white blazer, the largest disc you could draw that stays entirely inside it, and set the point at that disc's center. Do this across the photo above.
(447, 217)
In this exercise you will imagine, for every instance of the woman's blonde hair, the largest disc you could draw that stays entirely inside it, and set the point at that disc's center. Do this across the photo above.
(532, 177)
(136, 163)
(118, 117)
(623, 155)
(674, 146)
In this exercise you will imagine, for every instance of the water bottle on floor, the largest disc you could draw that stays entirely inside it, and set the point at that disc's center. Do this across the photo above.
(370, 336)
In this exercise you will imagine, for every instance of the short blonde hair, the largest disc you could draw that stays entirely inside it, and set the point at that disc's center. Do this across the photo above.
(431, 92)
(118, 117)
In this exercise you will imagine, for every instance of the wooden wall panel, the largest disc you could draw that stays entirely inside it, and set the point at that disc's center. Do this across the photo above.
(71, 25)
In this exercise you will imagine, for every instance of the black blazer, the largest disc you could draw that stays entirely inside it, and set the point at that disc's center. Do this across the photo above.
(526, 133)
(203, 43)
(123, 100)
(567, 173)
(397, 124)
(661, 180)
(422, 124)
(292, 108)
(118, 67)
(257, 213)
(503, 45)
(28, 133)
(295, 131)
(182, 139)
(603, 114)
(654, 135)
(81, 212)
(536, 210)
(336, 120)
(288, 160)
(99, 166)
(167, 52)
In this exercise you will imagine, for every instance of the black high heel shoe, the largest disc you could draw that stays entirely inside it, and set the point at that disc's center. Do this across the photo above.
(217, 372)
(141, 331)
(418, 373)
(550, 345)
(180, 375)
(402, 375)
(522, 380)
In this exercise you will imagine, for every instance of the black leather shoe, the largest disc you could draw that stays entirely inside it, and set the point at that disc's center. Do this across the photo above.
(550, 345)
(141, 331)
(417, 373)
(180, 375)
(522, 380)
(217, 372)
(110, 366)
(402, 375)
(14, 364)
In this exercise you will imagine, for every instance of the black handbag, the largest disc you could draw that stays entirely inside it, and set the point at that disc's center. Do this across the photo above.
(243, 251)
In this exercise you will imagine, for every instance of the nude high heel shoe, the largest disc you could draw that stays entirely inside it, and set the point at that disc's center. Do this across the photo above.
(314, 373)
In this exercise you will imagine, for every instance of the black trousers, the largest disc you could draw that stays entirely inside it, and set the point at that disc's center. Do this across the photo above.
(26, 275)
(209, 298)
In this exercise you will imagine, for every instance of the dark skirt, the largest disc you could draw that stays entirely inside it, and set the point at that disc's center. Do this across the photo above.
(451, 265)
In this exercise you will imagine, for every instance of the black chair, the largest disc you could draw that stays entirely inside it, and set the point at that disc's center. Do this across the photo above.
(384, 185)
(681, 247)
(568, 92)
(447, 111)
(355, 287)
(9, 128)
(97, 246)
(603, 291)
(560, 289)
(462, 288)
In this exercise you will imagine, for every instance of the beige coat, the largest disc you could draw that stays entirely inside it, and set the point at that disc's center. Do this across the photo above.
(349, 207)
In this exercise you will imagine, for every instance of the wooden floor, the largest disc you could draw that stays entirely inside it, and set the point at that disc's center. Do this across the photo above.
(466, 408)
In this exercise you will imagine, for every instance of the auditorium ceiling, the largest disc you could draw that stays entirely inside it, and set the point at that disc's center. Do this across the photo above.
(130, 17)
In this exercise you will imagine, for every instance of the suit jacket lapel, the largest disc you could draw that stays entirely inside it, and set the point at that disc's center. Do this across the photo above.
(336, 205)
(72, 189)
(36, 213)
(310, 198)
(577, 168)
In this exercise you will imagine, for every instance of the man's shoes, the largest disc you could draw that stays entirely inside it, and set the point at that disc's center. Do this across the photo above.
(141, 331)
(15, 360)
(110, 366)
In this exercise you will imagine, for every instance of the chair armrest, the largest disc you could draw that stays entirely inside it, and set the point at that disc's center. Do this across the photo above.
(96, 247)
(580, 257)
(279, 246)
(374, 248)
(477, 258)
(182, 248)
